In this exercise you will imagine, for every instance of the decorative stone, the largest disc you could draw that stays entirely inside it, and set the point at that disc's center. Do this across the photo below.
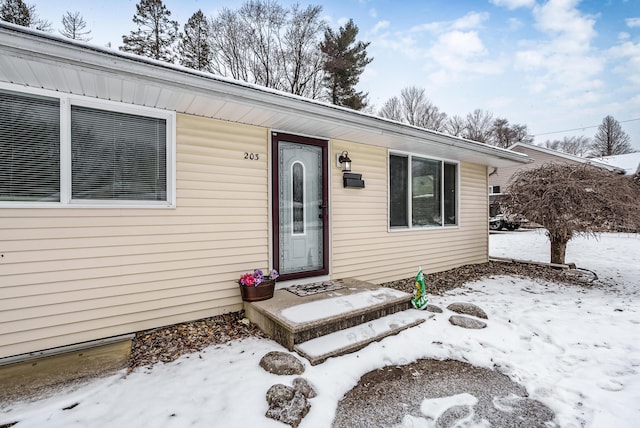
(300, 384)
(286, 405)
(468, 309)
(433, 308)
(281, 363)
(466, 322)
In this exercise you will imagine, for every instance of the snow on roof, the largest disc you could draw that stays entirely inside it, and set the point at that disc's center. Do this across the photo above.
(630, 162)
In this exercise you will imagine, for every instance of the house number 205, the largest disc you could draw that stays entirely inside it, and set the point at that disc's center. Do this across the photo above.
(251, 156)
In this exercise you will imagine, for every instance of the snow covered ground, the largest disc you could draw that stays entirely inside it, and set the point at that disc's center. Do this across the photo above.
(576, 350)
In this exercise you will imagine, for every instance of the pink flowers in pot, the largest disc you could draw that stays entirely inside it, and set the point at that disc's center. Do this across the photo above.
(255, 278)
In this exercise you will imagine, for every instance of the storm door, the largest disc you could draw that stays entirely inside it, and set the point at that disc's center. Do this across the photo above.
(300, 213)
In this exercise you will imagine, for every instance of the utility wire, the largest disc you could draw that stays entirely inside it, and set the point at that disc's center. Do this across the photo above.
(582, 127)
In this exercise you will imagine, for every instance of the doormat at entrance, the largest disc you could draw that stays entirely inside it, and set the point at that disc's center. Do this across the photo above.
(314, 288)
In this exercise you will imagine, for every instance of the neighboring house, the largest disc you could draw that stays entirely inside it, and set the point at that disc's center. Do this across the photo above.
(630, 162)
(134, 193)
(499, 177)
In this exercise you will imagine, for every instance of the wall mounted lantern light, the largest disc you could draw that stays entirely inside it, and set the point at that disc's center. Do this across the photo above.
(344, 161)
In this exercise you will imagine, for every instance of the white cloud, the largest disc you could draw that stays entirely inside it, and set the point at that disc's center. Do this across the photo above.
(623, 35)
(460, 53)
(530, 59)
(562, 19)
(632, 22)
(471, 21)
(459, 44)
(565, 63)
(515, 24)
(446, 50)
(373, 13)
(380, 25)
(343, 21)
(627, 55)
(399, 44)
(513, 4)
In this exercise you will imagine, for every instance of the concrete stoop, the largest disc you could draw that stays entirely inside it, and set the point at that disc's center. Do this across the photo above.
(336, 322)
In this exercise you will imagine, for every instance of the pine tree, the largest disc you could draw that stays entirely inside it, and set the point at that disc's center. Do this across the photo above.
(74, 26)
(15, 12)
(345, 60)
(194, 47)
(156, 33)
(20, 13)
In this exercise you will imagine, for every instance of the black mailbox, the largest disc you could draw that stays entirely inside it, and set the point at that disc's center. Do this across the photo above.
(350, 179)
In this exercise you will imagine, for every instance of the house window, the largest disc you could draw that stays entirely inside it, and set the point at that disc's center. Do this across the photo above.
(63, 149)
(29, 148)
(422, 192)
(117, 156)
(494, 190)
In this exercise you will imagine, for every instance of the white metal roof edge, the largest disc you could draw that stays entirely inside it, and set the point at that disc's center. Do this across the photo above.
(568, 156)
(51, 47)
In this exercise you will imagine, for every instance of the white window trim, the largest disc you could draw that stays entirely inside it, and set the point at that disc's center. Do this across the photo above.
(410, 226)
(66, 101)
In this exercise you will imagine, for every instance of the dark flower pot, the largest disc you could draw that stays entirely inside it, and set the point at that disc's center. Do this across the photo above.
(263, 291)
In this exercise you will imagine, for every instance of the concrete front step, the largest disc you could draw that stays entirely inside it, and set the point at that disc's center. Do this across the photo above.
(291, 320)
(355, 338)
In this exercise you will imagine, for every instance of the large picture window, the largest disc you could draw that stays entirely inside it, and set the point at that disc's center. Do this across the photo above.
(72, 150)
(422, 192)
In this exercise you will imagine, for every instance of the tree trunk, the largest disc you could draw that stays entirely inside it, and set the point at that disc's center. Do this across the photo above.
(558, 250)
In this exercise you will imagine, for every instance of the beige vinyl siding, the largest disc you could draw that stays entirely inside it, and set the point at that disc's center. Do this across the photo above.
(503, 175)
(69, 275)
(365, 248)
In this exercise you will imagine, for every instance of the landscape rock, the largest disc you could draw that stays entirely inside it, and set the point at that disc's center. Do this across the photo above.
(466, 322)
(433, 308)
(300, 384)
(281, 363)
(286, 405)
(468, 309)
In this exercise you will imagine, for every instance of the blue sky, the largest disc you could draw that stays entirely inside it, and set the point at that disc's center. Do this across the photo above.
(553, 65)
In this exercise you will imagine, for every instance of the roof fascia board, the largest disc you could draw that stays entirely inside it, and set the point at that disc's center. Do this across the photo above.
(54, 49)
(564, 155)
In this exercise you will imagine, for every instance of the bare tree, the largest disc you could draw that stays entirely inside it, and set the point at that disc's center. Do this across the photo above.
(74, 27)
(570, 200)
(194, 49)
(303, 59)
(478, 126)
(504, 135)
(231, 56)
(413, 107)
(455, 126)
(266, 44)
(392, 109)
(576, 145)
(610, 139)
(20, 13)
(156, 33)
(264, 21)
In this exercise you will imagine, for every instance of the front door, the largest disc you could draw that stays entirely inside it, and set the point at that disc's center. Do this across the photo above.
(300, 206)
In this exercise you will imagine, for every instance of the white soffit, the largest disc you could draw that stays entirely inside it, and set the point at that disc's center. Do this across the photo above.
(41, 60)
